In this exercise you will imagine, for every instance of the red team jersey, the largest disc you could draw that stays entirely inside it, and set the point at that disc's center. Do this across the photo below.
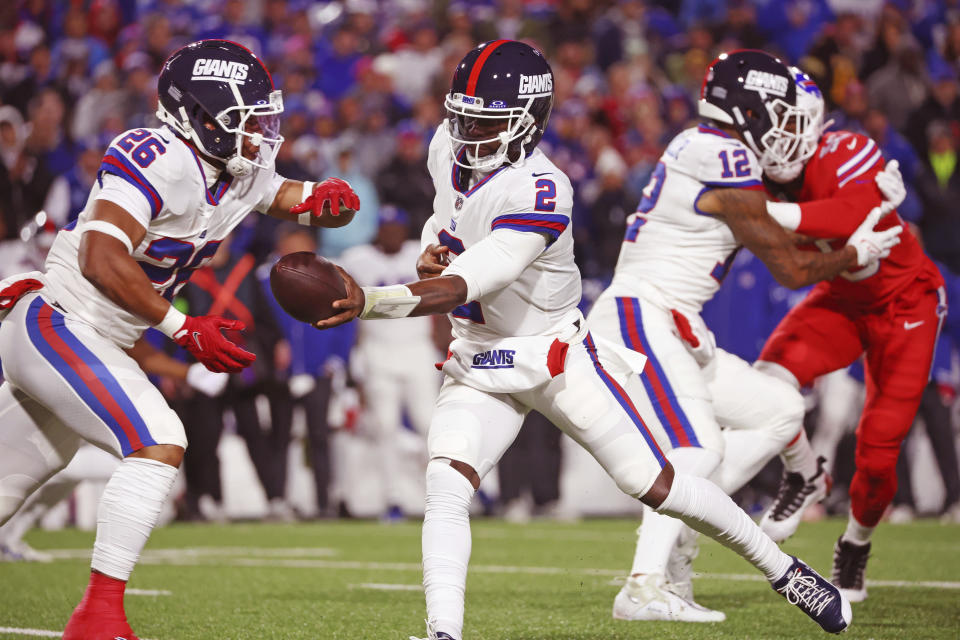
(843, 170)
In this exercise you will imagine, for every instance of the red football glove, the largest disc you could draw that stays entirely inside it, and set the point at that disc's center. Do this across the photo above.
(202, 338)
(332, 189)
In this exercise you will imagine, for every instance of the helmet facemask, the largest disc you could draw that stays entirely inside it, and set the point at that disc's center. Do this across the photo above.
(793, 137)
(471, 126)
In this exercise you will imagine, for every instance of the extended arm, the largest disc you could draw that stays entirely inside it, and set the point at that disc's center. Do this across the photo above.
(745, 212)
(303, 202)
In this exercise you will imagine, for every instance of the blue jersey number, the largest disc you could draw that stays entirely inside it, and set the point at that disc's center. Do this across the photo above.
(142, 147)
(470, 311)
(179, 259)
(741, 165)
(651, 193)
(546, 195)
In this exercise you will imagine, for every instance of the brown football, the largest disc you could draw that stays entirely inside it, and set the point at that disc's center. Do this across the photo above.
(306, 286)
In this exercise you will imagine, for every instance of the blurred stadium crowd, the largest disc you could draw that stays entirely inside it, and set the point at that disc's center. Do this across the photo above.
(363, 82)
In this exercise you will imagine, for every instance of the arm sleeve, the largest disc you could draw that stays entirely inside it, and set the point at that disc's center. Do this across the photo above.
(120, 192)
(838, 217)
(496, 261)
(270, 194)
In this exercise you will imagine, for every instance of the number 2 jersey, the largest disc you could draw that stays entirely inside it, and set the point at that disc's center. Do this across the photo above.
(532, 197)
(159, 179)
(669, 244)
(842, 172)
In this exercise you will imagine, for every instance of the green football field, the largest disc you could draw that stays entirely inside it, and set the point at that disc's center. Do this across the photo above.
(352, 580)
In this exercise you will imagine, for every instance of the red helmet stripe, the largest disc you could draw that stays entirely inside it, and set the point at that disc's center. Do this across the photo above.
(478, 65)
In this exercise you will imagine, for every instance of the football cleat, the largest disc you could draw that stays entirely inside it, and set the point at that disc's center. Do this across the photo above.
(794, 496)
(849, 567)
(646, 598)
(433, 634)
(812, 594)
(22, 552)
(679, 573)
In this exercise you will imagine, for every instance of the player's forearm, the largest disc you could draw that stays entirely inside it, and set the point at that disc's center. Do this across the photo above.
(826, 218)
(292, 193)
(117, 276)
(438, 295)
(809, 267)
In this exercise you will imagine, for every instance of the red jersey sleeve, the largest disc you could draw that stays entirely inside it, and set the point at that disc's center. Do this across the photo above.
(838, 187)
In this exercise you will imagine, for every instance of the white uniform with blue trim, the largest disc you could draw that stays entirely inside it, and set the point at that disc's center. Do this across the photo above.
(67, 375)
(674, 257)
(510, 239)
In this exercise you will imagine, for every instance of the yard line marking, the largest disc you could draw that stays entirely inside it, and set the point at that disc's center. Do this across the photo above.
(31, 632)
(148, 592)
(387, 587)
(292, 558)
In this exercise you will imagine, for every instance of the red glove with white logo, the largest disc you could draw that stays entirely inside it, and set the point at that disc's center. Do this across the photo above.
(202, 338)
(698, 340)
(332, 189)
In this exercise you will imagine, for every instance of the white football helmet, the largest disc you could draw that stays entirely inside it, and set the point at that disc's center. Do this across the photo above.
(796, 131)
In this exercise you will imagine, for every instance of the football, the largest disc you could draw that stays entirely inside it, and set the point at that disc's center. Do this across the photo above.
(306, 286)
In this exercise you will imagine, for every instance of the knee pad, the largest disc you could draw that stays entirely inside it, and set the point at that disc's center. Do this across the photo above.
(787, 410)
(694, 461)
(634, 478)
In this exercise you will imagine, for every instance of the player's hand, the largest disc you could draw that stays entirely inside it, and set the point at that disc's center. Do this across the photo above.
(349, 307)
(697, 338)
(433, 261)
(333, 189)
(202, 338)
(207, 382)
(891, 186)
(872, 245)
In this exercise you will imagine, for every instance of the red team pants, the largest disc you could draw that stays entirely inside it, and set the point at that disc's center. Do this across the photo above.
(822, 334)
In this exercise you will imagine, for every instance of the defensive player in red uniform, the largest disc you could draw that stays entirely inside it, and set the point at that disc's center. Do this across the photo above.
(891, 311)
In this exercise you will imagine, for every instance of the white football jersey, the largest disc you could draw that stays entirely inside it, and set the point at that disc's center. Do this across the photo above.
(184, 219)
(371, 267)
(669, 244)
(535, 197)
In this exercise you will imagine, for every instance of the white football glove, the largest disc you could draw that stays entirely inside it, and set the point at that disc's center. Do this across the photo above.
(872, 245)
(891, 186)
(207, 382)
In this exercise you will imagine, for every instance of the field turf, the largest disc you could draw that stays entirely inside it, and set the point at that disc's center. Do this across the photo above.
(360, 580)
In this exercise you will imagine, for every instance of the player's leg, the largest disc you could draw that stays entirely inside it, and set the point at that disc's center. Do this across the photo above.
(93, 387)
(672, 396)
(383, 397)
(760, 415)
(591, 406)
(815, 338)
(468, 434)
(899, 356)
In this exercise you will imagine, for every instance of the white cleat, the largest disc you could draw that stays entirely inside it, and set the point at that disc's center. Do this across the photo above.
(646, 598)
(679, 573)
(795, 495)
(22, 552)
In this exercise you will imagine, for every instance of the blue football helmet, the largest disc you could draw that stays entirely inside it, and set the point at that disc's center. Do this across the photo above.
(501, 94)
(215, 93)
(756, 94)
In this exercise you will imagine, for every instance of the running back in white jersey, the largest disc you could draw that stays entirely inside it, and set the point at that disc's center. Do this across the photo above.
(534, 196)
(165, 187)
(371, 267)
(669, 244)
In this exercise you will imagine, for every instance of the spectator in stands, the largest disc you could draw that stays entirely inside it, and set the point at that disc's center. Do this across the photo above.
(25, 181)
(363, 227)
(899, 87)
(938, 184)
(943, 104)
(405, 182)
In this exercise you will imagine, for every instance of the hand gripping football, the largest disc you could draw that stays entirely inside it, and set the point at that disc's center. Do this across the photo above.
(306, 286)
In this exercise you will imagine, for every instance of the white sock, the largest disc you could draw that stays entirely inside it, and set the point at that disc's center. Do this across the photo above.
(658, 533)
(128, 512)
(746, 452)
(798, 456)
(705, 508)
(446, 546)
(856, 532)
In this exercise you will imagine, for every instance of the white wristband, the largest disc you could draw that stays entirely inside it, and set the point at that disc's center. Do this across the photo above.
(171, 323)
(388, 302)
(111, 230)
(306, 217)
(787, 214)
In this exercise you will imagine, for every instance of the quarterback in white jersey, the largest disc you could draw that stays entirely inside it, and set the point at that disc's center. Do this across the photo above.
(164, 199)
(704, 201)
(502, 217)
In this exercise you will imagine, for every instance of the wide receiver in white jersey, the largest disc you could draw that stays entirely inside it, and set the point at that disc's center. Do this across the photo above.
(705, 201)
(164, 200)
(502, 215)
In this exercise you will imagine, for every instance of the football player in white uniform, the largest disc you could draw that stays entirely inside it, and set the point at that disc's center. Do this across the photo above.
(502, 215)
(393, 361)
(164, 200)
(705, 201)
